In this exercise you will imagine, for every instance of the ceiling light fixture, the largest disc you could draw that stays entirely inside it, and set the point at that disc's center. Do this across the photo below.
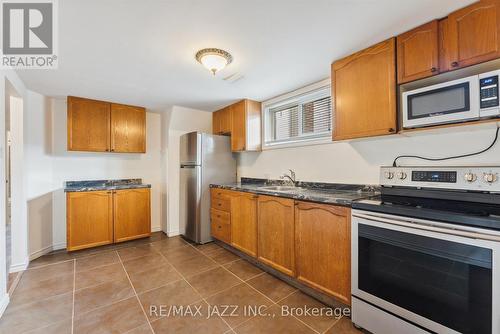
(214, 59)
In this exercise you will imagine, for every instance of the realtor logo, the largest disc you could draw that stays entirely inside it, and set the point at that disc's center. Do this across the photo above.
(29, 34)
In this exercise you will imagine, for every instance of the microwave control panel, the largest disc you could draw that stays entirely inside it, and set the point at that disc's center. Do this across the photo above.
(488, 88)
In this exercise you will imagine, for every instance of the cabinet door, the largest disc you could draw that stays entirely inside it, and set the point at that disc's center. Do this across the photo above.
(473, 34)
(238, 134)
(128, 129)
(418, 55)
(216, 130)
(323, 248)
(132, 214)
(364, 90)
(88, 125)
(89, 219)
(276, 242)
(244, 222)
(225, 121)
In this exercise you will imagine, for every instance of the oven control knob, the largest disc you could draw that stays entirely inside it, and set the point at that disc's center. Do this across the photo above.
(470, 177)
(389, 175)
(490, 177)
(402, 175)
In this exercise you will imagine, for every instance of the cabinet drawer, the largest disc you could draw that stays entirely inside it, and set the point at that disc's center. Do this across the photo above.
(222, 216)
(221, 204)
(218, 193)
(221, 230)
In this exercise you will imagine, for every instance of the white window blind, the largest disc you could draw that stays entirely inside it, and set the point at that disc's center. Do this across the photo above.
(299, 118)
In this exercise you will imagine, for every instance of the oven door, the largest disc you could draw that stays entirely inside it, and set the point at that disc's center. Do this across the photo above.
(441, 282)
(448, 102)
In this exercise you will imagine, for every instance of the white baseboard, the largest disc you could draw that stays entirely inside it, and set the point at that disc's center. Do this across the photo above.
(46, 250)
(4, 302)
(15, 267)
(173, 233)
(61, 245)
(156, 229)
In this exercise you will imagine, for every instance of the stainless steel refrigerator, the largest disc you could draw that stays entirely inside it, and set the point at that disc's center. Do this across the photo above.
(205, 159)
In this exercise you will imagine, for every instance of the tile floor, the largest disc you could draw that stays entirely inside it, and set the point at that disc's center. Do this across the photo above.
(132, 288)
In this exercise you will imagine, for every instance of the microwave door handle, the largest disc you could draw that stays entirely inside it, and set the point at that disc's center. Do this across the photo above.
(428, 227)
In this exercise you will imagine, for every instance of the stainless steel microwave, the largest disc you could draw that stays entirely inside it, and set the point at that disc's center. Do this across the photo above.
(471, 98)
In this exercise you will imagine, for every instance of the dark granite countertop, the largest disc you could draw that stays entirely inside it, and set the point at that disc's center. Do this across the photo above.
(97, 185)
(328, 193)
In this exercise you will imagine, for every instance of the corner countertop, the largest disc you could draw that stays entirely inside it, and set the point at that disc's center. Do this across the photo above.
(328, 193)
(101, 185)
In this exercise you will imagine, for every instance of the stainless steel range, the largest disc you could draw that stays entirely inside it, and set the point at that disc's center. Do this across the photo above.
(426, 253)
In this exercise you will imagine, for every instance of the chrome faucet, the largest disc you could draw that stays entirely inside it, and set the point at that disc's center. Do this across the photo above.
(291, 177)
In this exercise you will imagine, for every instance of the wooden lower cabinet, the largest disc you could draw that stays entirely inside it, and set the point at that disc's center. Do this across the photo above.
(89, 217)
(276, 243)
(96, 218)
(132, 214)
(323, 248)
(244, 222)
(308, 241)
(220, 225)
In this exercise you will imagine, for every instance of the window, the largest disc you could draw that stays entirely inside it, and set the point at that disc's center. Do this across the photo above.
(300, 117)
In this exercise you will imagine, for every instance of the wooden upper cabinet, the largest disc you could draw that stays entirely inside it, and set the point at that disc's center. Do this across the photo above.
(216, 129)
(242, 121)
(226, 121)
(472, 35)
(244, 222)
(99, 126)
(364, 91)
(246, 126)
(238, 126)
(221, 121)
(276, 244)
(89, 217)
(323, 248)
(128, 129)
(88, 125)
(132, 214)
(418, 53)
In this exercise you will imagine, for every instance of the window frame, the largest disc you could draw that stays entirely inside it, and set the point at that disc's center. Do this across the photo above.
(298, 97)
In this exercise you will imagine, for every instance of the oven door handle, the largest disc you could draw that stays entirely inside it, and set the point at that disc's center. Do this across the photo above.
(429, 227)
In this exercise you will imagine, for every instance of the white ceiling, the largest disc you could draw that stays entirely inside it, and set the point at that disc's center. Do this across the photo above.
(142, 52)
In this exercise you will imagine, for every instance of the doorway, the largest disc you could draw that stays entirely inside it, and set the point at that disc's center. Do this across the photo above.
(8, 183)
(15, 223)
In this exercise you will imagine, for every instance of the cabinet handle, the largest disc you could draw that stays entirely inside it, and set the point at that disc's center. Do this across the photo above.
(434, 69)
(255, 197)
(454, 64)
(109, 192)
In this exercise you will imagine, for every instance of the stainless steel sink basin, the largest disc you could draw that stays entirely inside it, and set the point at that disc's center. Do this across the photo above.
(282, 188)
